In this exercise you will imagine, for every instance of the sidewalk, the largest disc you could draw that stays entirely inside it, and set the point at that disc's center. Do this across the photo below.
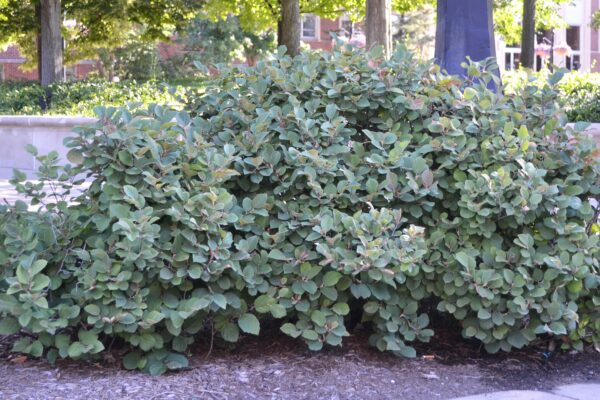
(7, 192)
(588, 391)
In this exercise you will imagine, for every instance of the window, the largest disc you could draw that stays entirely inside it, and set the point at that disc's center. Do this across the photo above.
(347, 27)
(512, 57)
(574, 37)
(573, 60)
(1, 72)
(309, 26)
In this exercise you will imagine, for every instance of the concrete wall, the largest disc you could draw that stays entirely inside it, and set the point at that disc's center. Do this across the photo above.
(45, 133)
(594, 131)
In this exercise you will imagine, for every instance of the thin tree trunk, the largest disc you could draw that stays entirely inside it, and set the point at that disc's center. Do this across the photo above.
(290, 26)
(50, 62)
(279, 33)
(379, 25)
(528, 35)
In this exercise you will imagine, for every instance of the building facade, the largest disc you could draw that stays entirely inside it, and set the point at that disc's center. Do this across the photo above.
(583, 51)
(11, 67)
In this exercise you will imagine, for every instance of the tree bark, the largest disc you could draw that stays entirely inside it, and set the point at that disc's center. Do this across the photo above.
(290, 26)
(50, 57)
(528, 35)
(378, 25)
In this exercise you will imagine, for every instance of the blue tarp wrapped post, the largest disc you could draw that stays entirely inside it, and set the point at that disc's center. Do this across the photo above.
(464, 28)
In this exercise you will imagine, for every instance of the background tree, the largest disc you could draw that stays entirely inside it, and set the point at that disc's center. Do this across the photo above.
(528, 34)
(99, 24)
(50, 43)
(508, 17)
(378, 25)
(596, 20)
(289, 33)
(412, 29)
(221, 41)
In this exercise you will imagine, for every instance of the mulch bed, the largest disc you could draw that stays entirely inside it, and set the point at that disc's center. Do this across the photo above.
(277, 367)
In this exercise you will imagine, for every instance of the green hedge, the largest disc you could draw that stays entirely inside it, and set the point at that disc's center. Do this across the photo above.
(302, 191)
(81, 97)
(578, 92)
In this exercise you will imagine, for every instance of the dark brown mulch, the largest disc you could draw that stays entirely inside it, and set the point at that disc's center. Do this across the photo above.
(276, 367)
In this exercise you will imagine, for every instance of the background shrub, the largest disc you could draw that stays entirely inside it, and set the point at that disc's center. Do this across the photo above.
(578, 92)
(303, 190)
(81, 97)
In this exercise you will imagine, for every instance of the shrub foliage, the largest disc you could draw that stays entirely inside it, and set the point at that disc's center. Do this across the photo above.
(302, 190)
(80, 98)
(578, 92)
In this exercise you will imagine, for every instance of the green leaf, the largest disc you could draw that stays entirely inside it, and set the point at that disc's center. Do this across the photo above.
(419, 165)
(278, 311)
(220, 300)
(360, 291)
(153, 317)
(230, 332)
(76, 349)
(465, 260)
(516, 339)
(278, 255)
(310, 334)
(483, 314)
(263, 303)
(130, 191)
(331, 278)
(75, 156)
(176, 361)
(372, 186)
(408, 352)
(92, 309)
(249, 323)
(38, 266)
(9, 326)
(341, 309)
(330, 110)
(290, 330)
(119, 211)
(132, 360)
(31, 149)
(125, 157)
(318, 317)
(37, 349)
(87, 338)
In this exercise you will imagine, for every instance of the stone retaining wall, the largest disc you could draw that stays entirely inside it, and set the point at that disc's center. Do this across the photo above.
(44, 132)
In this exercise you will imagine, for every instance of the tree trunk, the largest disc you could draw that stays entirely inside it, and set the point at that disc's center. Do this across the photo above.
(50, 62)
(378, 25)
(528, 35)
(290, 26)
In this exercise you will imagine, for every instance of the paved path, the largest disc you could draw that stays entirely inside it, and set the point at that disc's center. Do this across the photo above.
(7, 192)
(588, 391)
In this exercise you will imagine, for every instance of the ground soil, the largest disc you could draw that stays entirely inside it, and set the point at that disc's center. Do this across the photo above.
(277, 367)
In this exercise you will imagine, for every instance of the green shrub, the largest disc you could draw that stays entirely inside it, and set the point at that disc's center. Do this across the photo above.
(303, 190)
(578, 92)
(81, 97)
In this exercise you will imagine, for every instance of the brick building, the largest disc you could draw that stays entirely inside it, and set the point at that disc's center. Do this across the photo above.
(316, 31)
(11, 67)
